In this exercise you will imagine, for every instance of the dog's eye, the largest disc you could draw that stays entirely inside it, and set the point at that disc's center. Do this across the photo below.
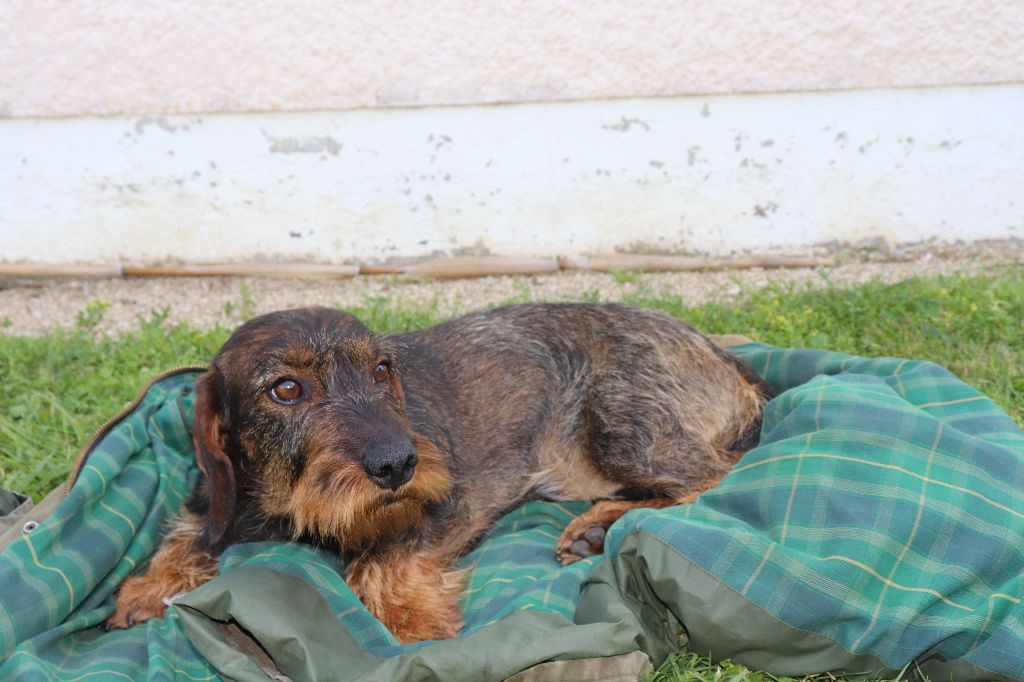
(381, 373)
(286, 391)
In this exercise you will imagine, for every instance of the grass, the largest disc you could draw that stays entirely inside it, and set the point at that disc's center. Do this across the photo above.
(694, 668)
(973, 326)
(59, 388)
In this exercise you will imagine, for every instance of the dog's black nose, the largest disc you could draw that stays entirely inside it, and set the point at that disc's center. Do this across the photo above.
(390, 465)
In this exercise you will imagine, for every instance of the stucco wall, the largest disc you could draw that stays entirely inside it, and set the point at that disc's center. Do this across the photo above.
(104, 57)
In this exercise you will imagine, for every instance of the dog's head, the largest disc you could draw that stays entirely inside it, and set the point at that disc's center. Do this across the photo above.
(303, 412)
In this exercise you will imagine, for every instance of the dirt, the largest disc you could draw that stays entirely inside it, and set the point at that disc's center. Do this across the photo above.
(114, 306)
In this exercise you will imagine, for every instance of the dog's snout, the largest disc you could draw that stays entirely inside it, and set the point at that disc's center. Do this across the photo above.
(390, 465)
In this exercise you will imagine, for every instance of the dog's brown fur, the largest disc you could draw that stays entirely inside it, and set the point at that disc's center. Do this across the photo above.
(180, 565)
(402, 451)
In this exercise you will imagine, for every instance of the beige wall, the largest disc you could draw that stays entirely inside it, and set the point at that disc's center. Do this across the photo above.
(60, 58)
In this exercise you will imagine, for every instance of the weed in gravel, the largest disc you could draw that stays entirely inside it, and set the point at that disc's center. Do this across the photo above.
(625, 276)
(90, 317)
(246, 303)
(523, 292)
(157, 317)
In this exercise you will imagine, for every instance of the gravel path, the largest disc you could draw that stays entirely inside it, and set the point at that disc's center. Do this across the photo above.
(115, 305)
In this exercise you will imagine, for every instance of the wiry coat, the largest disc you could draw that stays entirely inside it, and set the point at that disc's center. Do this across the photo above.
(400, 452)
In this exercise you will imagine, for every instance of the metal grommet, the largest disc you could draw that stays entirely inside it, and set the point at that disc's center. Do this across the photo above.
(29, 527)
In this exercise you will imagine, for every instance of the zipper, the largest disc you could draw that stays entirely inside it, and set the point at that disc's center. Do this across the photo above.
(102, 431)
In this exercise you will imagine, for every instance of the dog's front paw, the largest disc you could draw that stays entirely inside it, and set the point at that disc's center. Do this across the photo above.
(584, 536)
(581, 539)
(139, 599)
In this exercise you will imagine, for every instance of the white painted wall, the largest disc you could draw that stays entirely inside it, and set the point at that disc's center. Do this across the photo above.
(712, 174)
(105, 57)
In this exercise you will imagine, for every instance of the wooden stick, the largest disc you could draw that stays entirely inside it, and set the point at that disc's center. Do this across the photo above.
(458, 267)
(615, 262)
(283, 270)
(31, 270)
(461, 267)
(381, 269)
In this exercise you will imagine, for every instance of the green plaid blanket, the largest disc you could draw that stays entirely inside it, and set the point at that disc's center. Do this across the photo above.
(878, 525)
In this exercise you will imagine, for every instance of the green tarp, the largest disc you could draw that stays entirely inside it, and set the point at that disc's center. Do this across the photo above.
(878, 526)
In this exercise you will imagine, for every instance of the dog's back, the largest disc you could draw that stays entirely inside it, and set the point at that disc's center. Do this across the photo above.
(577, 401)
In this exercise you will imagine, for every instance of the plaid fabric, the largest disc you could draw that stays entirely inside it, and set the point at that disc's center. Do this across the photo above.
(883, 510)
(58, 579)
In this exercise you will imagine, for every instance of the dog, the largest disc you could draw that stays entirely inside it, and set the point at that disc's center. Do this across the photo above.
(399, 452)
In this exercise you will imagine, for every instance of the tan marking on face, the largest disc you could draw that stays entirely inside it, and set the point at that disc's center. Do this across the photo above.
(300, 356)
(362, 352)
(336, 499)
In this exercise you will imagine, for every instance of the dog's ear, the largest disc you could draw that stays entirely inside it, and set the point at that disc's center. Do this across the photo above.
(209, 434)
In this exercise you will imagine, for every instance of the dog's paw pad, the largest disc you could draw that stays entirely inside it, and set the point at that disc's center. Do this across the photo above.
(580, 541)
(595, 536)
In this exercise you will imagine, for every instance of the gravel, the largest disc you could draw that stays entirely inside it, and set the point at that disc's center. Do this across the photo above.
(115, 306)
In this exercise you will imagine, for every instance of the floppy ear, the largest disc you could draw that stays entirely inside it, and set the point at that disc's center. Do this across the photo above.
(209, 433)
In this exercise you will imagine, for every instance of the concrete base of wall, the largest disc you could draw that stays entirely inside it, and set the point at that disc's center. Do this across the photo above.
(714, 175)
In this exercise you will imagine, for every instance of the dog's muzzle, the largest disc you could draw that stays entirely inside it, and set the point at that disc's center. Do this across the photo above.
(390, 465)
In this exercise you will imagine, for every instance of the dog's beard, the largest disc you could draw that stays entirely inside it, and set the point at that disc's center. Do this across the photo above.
(340, 502)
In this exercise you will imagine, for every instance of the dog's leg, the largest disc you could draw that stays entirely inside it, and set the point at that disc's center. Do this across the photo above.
(415, 596)
(584, 536)
(179, 565)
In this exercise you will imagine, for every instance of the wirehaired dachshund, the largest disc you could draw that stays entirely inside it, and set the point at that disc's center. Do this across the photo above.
(400, 452)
